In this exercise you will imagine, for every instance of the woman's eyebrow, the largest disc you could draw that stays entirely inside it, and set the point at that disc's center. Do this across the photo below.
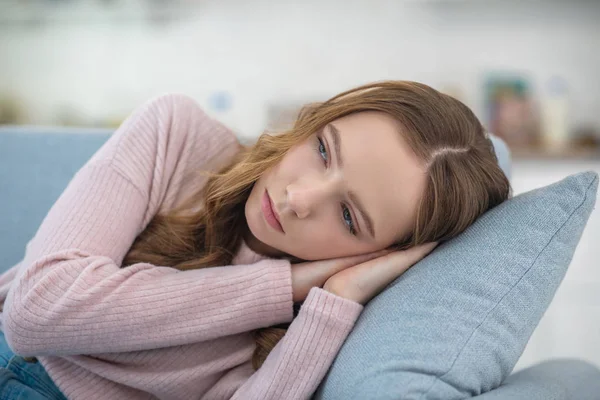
(365, 216)
(337, 145)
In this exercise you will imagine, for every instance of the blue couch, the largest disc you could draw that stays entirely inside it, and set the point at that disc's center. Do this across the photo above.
(37, 163)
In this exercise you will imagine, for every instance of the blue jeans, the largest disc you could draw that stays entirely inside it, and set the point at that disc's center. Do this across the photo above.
(24, 380)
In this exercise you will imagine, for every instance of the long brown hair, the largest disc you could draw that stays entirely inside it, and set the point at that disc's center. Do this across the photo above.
(464, 181)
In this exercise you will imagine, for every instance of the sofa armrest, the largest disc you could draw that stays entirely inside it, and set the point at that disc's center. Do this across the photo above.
(562, 379)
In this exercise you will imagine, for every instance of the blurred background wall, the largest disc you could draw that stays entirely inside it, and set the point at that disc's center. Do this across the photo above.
(529, 69)
(91, 61)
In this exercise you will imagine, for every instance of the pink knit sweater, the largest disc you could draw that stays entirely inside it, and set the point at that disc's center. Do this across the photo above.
(154, 332)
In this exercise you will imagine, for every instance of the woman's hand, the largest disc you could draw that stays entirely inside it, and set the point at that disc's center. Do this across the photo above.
(364, 281)
(315, 273)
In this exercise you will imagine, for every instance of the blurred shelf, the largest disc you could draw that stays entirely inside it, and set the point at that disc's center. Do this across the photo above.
(37, 12)
(564, 154)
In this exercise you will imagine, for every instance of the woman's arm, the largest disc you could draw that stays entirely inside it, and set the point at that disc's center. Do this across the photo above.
(70, 295)
(296, 366)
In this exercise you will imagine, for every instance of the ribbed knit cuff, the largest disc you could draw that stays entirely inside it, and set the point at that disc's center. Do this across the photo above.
(277, 297)
(332, 305)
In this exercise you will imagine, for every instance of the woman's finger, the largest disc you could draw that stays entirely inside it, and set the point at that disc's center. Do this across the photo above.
(309, 274)
(345, 262)
(372, 276)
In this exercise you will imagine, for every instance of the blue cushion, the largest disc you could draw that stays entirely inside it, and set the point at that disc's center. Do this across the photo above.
(455, 324)
(35, 167)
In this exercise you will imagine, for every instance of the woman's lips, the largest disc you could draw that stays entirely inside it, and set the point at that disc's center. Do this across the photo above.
(269, 213)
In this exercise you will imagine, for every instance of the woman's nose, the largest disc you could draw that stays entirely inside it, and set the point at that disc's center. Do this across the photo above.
(305, 196)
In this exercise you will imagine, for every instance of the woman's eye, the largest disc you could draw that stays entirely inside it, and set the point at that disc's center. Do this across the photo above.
(347, 217)
(322, 150)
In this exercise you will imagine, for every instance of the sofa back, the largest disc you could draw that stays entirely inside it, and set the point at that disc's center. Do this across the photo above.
(36, 164)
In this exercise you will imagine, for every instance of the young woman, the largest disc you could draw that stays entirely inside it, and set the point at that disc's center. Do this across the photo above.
(170, 266)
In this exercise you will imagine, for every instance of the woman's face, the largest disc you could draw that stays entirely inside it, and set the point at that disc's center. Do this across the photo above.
(350, 189)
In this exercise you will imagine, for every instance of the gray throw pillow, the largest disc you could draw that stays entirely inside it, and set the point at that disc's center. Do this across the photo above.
(455, 324)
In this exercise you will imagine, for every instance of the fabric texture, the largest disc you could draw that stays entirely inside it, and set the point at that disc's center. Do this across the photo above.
(24, 380)
(455, 324)
(145, 331)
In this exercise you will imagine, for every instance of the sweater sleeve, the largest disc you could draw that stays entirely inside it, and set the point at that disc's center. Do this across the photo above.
(70, 295)
(298, 363)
